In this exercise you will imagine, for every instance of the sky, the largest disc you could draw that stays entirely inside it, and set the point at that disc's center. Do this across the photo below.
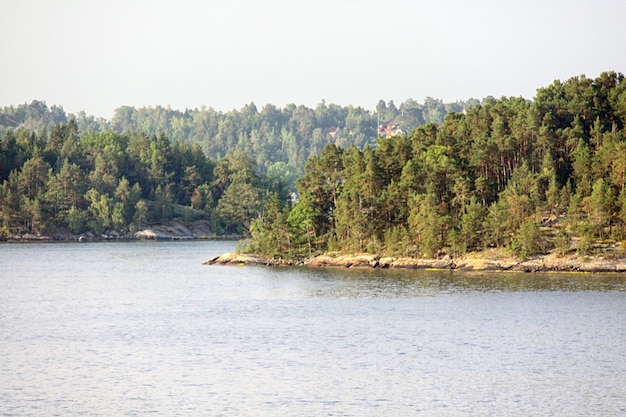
(96, 56)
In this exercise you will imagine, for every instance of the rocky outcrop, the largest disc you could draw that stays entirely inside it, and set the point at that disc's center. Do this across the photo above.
(345, 261)
(572, 263)
(236, 258)
(481, 261)
(414, 263)
(365, 260)
(473, 263)
(176, 231)
(373, 261)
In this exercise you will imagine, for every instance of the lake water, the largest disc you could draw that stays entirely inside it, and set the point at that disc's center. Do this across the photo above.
(132, 329)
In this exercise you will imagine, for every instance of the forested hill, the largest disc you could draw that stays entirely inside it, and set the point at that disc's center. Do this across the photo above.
(78, 174)
(279, 139)
(529, 177)
(97, 183)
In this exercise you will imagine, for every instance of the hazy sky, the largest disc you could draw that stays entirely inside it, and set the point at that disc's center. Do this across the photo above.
(99, 55)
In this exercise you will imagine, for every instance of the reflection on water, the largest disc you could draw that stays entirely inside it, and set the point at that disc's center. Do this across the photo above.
(346, 282)
(116, 329)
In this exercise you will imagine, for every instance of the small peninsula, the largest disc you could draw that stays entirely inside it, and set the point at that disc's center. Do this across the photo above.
(611, 261)
(507, 184)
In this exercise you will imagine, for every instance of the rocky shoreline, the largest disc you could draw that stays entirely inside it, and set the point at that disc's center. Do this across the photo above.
(490, 260)
(172, 231)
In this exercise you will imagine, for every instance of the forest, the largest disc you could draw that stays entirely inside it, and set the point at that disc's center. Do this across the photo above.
(79, 174)
(525, 176)
(101, 182)
(279, 140)
(528, 177)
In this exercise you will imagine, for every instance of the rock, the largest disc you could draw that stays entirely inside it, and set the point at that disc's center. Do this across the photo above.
(111, 235)
(488, 260)
(414, 263)
(146, 234)
(234, 258)
(385, 262)
(201, 230)
(478, 264)
(362, 260)
(321, 261)
(374, 261)
(175, 231)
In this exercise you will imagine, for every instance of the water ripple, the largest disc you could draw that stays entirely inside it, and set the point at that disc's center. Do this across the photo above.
(135, 329)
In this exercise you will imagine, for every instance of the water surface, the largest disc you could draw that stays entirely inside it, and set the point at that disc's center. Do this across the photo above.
(130, 329)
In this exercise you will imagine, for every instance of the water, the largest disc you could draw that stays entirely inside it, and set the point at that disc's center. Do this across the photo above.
(131, 329)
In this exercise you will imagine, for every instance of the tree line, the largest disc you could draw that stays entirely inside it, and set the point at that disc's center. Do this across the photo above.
(97, 182)
(526, 176)
(280, 140)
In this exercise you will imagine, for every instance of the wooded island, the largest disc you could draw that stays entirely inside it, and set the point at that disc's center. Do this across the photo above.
(527, 177)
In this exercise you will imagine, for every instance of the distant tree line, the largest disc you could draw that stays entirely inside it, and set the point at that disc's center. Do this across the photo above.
(280, 140)
(94, 182)
(525, 176)
(148, 165)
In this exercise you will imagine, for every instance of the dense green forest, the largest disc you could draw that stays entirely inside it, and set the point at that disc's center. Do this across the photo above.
(149, 165)
(280, 140)
(63, 180)
(527, 176)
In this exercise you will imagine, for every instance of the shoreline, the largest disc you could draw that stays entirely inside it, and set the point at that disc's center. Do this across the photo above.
(489, 260)
(172, 231)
